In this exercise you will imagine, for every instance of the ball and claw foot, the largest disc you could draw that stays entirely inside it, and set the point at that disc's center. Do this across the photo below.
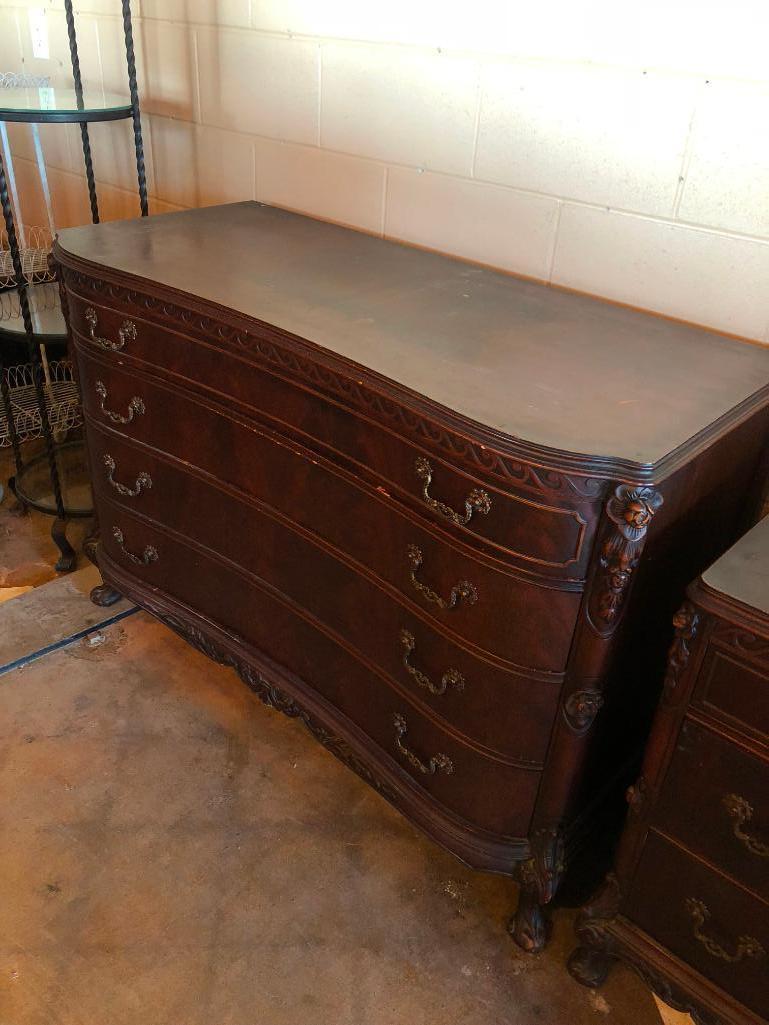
(529, 926)
(589, 967)
(104, 595)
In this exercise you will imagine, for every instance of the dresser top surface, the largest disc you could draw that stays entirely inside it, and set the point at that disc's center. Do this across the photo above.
(559, 370)
(742, 573)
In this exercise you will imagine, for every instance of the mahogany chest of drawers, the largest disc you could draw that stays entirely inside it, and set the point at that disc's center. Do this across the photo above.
(440, 515)
(688, 905)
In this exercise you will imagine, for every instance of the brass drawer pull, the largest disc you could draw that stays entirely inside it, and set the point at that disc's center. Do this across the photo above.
(135, 406)
(143, 481)
(747, 946)
(477, 501)
(126, 332)
(150, 553)
(463, 591)
(438, 763)
(741, 811)
(451, 678)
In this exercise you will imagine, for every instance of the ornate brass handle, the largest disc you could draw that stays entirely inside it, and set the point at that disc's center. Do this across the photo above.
(463, 591)
(135, 406)
(741, 811)
(150, 553)
(451, 678)
(126, 332)
(438, 763)
(747, 946)
(143, 480)
(477, 501)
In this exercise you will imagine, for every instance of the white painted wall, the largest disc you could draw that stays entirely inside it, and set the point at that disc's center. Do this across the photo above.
(620, 149)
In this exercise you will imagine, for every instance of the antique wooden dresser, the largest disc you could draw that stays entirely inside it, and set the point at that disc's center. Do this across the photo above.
(688, 905)
(441, 515)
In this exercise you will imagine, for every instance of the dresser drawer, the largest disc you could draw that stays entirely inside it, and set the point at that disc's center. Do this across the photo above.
(527, 624)
(434, 671)
(702, 918)
(487, 793)
(715, 800)
(546, 528)
(731, 687)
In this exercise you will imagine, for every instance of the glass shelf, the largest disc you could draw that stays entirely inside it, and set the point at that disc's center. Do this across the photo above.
(52, 104)
(32, 485)
(47, 318)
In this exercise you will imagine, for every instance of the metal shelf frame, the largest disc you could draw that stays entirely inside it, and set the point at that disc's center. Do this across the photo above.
(20, 271)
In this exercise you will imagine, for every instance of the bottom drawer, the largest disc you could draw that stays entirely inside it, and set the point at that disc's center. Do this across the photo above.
(488, 794)
(705, 920)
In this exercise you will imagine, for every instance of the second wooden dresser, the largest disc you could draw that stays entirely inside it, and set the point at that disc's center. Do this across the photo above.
(688, 906)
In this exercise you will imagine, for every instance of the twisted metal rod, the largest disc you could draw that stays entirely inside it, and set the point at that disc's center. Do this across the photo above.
(136, 116)
(84, 136)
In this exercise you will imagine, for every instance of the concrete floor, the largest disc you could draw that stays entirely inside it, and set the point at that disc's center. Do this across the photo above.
(174, 853)
(27, 552)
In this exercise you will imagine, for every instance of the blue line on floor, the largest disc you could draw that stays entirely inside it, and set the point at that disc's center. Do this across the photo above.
(33, 656)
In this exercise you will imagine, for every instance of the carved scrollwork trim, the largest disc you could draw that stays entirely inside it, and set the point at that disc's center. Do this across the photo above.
(543, 870)
(512, 471)
(600, 910)
(630, 510)
(580, 709)
(686, 622)
(740, 640)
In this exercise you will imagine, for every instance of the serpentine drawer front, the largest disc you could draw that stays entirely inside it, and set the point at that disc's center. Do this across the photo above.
(506, 512)
(270, 548)
(439, 515)
(688, 903)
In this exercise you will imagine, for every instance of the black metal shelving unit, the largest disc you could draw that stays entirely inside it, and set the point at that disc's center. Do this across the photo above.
(40, 404)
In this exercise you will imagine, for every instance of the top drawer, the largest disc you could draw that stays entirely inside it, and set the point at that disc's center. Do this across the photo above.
(733, 687)
(546, 529)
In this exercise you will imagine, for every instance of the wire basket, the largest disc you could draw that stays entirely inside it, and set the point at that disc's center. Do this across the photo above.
(61, 400)
(34, 257)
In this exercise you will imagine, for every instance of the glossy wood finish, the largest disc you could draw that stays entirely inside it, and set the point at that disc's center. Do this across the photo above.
(688, 905)
(329, 465)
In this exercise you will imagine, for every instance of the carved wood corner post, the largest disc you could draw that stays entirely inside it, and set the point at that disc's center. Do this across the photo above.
(628, 513)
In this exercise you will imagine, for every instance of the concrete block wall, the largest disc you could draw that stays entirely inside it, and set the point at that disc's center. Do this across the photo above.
(614, 148)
